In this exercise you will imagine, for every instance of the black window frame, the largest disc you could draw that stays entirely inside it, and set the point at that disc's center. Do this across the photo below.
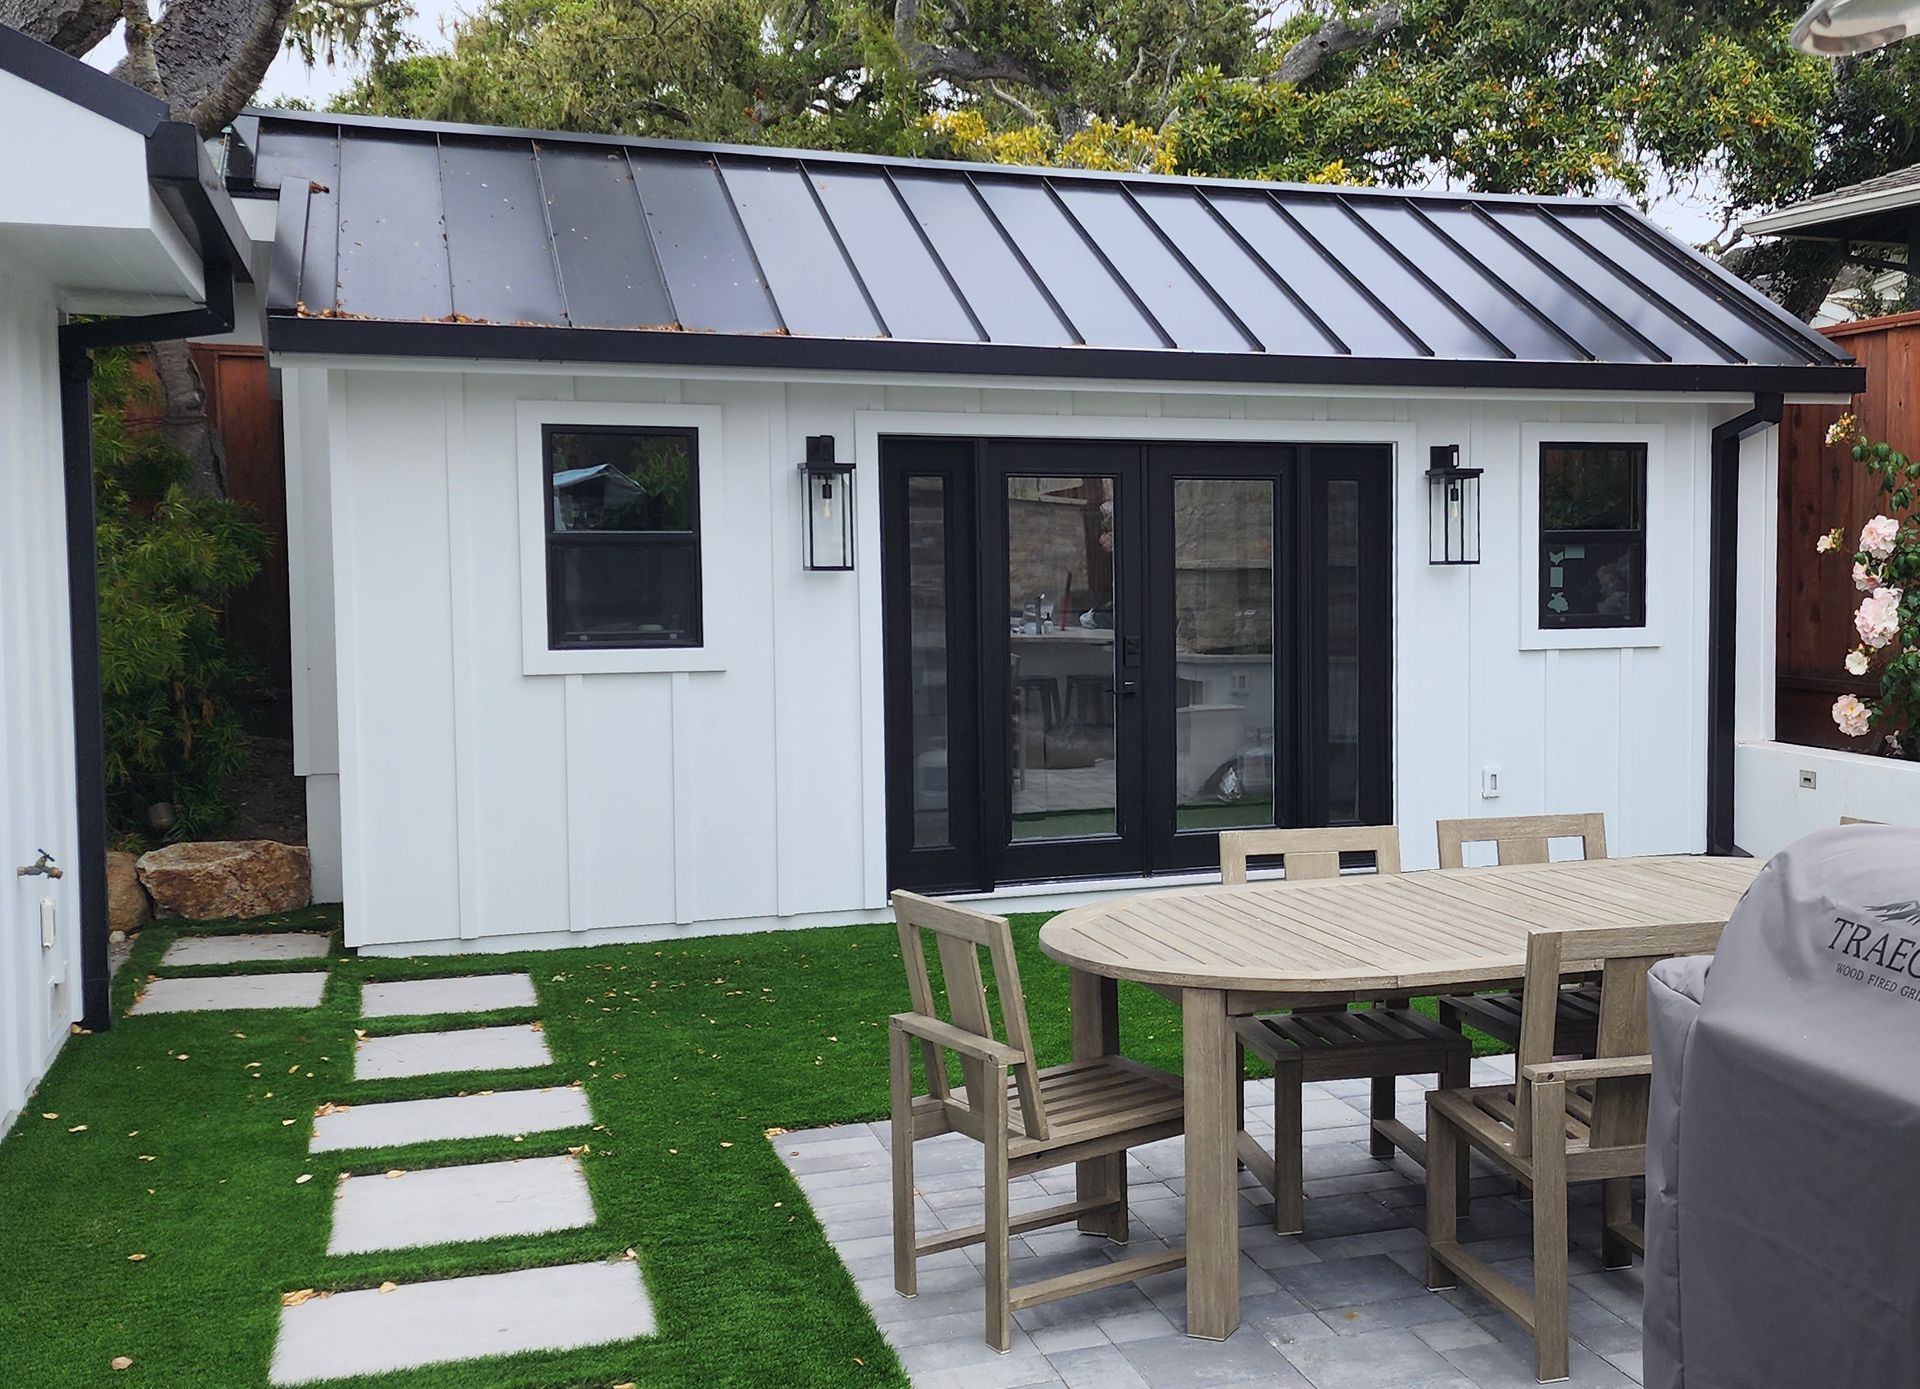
(1550, 538)
(626, 540)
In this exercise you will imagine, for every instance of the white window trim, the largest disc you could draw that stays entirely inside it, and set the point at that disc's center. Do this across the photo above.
(1661, 537)
(531, 416)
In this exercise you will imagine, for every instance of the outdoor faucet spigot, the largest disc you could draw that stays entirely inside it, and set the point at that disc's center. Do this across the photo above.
(42, 867)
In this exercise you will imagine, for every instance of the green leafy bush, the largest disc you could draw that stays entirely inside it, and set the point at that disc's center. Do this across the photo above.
(167, 562)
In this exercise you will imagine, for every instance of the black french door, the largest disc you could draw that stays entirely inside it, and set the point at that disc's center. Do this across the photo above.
(1099, 655)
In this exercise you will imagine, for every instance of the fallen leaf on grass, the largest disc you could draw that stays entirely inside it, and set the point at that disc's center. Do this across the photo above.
(775, 1133)
(324, 1110)
(136, 1258)
(296, 1298)
(726, 1145)
(148, 1157)
(396, 1172)
(78, 1128)
(121, 1362)
(285, 1122)
(388, 1287)
(49, 1116)
(303, 1179)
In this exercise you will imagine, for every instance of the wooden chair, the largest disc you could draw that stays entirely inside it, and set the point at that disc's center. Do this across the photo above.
(1565, 1121)
(1043, 1119)
(1375, 1043)
(1524, 839)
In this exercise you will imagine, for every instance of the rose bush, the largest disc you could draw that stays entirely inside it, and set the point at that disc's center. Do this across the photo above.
(1886, 568)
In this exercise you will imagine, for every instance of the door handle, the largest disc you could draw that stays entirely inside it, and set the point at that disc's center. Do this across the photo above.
(1126, 689)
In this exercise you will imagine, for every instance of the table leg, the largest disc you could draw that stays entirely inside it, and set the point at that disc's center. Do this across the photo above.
(1213, 1229)
(1096, 1033)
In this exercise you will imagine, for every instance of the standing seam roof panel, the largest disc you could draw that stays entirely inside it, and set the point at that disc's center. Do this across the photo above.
(311, 156)
(1322, 283)
(711, 272)
(1479, 294)
(814, 286)
(1133, 245)
(393, 238)
(1250, 287)
(1100, 307)
(908, 284)
(1002, 292)
(498, 247)
(607, 266)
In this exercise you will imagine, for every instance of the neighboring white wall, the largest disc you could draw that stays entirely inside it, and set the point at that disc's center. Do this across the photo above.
(1773, 806)
(39, 987)
(482, 807)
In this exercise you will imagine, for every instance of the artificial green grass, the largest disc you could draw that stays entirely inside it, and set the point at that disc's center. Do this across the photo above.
(689, 1052)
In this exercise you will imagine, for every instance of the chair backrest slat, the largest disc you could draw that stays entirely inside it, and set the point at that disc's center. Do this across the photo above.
(959, 935)
(1520, 838)
(1622, 955)
(1308, 853)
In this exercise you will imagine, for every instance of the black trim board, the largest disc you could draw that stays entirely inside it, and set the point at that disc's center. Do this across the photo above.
(71, 80)
(287, 333)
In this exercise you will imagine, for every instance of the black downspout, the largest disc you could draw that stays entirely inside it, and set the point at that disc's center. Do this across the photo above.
(83, 603)
(1723, 593)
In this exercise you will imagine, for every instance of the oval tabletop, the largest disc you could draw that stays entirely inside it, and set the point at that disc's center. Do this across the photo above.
(1391, 931)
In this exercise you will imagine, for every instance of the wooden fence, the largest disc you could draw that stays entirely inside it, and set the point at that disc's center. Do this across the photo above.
(1822, 487)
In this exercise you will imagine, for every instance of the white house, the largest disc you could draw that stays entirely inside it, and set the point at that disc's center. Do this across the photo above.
(109, 209)
(1146, 530)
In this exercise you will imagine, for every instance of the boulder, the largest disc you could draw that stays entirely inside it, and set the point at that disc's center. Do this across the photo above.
(128, 908)
(227, 878)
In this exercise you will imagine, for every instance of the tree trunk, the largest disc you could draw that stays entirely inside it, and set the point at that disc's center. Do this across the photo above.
(185, 424)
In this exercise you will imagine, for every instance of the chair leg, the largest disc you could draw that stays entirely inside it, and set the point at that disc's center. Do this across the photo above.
(1456, 1073)
(1616, 1209)
(1289, 1180)
(997, 1248)
(906, 1260)
(1444, 1151)
(1378, 1144)
(1550, 1334)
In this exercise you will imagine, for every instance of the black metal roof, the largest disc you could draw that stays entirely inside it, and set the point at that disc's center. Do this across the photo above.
(461, 241)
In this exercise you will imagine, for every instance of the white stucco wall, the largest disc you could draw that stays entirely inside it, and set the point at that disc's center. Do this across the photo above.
(39, 987)
(483, 807)
(1786, 792)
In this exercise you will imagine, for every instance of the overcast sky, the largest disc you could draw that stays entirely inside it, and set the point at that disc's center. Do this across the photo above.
(1689, 214)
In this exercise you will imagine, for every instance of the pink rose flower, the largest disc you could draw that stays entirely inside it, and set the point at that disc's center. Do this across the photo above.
(1878, 535)
(1850, 716)
(1864, 579)
(1878, 621)
(1857, 662)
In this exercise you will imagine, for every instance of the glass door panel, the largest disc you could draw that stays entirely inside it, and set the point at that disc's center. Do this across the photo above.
(1061, 605)
(927, 628)
(1223, 652)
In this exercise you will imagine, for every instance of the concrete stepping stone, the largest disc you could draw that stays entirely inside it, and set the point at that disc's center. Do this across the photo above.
(447, 1205)
(237, 949)
(370, 1332)
(467, 1049)
(399, 1122)
(197, 995)
(473, 993)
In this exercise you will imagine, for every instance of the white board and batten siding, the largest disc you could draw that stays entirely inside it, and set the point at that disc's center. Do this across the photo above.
(39, 985)
(481, 806)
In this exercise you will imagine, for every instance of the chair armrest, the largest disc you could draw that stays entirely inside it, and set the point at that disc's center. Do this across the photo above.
(1575, 1071)
(973, 1047)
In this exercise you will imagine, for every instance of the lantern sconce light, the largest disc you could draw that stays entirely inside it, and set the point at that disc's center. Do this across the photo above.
(828, 534)
(1453, 508)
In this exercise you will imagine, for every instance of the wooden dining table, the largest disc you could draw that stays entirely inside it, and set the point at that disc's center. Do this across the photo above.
(1226, 952)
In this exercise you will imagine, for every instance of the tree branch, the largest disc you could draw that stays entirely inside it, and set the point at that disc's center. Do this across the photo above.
(958, 64)
(250, 48)
(142, 71)
(72, 26)
(1340, 34)
(1026, 112)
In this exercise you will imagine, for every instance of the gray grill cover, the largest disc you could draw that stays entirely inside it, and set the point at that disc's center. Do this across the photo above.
(1783, 1142)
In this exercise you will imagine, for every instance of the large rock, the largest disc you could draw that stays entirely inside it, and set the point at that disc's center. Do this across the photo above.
(128, 908)
(241, 877)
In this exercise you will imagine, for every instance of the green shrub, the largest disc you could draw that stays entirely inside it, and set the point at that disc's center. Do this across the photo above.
(167, 562)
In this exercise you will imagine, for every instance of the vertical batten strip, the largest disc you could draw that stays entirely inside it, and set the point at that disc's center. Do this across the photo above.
(685, 809)
(467, 799)
(579, 796)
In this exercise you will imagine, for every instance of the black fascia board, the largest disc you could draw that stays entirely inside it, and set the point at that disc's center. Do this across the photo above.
(362, 337)
(71, 80)
(191, 189)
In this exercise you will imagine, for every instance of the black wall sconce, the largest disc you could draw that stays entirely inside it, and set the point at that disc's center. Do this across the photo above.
(827, 537)
(1453, 508)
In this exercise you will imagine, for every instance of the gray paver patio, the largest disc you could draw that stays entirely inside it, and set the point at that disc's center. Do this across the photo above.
(369, 1332)
(435, 1053)
(446, 1205)
(1343, 1307)
(470, 993)
(398, 1122)
(197, 995)
(252, 945)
